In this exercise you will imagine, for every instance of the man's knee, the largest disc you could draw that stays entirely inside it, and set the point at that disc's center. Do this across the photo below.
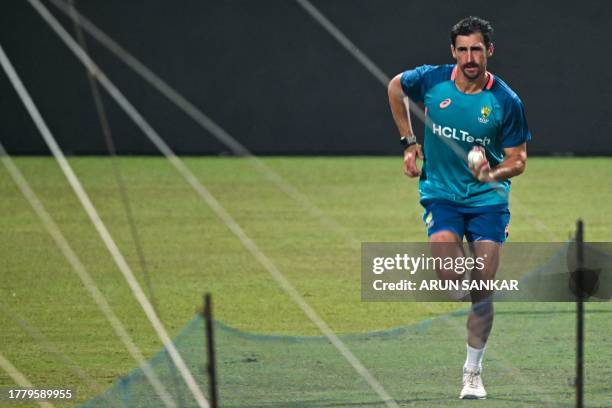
(446, 244)
(483, 308)
(444, 237)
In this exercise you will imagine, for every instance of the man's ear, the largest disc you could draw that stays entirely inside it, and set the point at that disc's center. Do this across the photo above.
(453, 51)
(490, 50)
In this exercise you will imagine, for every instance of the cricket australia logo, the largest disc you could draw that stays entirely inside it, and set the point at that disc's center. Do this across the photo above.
(429, 222)
(485, 111)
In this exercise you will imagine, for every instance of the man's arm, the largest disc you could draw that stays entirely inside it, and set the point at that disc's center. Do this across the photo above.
(400, 111)
(514, 164)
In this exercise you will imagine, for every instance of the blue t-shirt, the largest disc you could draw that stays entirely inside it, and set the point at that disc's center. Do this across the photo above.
(493, 118)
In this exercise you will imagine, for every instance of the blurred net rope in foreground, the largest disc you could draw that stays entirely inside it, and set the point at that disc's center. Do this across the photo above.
(204, 121)
(100, 227)
(52, 349)
(229, 141)
(82, 272)
(18, 377)
(209, 199)
(222, 135)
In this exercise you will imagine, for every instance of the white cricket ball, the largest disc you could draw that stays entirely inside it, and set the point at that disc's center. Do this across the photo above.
(476, 157)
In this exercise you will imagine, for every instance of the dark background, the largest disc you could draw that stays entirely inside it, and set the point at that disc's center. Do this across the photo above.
(274, 79)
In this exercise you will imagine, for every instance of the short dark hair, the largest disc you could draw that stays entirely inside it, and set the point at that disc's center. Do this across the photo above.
(471, 25)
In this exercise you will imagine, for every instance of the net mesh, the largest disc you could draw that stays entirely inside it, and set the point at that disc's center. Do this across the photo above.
(419, 364)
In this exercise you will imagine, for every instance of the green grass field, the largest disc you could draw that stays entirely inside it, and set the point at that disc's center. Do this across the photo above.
(189, 252)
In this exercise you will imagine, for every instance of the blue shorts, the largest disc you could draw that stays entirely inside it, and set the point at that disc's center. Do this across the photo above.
(475, 223)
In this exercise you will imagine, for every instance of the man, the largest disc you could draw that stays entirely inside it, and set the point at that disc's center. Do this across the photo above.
(465, 106)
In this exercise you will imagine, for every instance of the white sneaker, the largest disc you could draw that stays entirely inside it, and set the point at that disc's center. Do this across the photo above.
(472, 385)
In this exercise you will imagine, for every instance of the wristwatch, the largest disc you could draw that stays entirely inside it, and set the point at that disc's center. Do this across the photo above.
(407, 141)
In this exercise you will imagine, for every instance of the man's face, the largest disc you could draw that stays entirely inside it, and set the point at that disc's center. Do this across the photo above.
(471, 54)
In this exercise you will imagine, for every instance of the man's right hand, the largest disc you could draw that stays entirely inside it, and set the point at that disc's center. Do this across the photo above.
(410, 156)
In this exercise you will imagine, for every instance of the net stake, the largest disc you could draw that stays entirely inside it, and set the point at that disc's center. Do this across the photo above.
(210, 351)
(580, 314)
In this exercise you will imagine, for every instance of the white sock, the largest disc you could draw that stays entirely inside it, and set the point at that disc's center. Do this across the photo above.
(473, 362)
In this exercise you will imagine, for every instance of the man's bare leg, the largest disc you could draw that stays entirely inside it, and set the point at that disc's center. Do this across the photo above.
(480, 319)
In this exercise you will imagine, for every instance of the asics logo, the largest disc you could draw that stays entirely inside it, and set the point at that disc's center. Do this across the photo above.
(445, 103)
